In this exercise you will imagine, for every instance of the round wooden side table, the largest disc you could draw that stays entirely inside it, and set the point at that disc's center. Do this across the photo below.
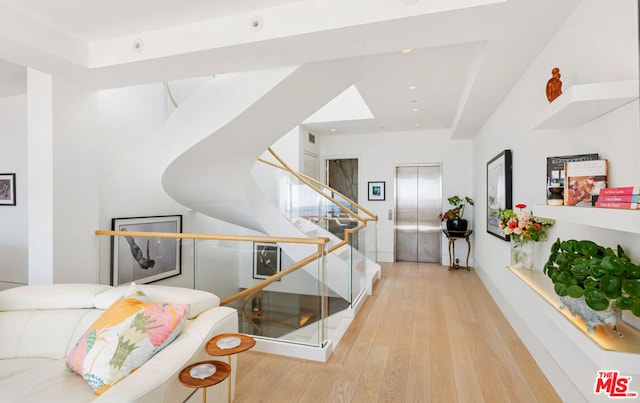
(223, 370)
(239, 342)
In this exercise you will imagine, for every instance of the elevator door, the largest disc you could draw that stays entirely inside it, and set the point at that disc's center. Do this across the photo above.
(418, 202)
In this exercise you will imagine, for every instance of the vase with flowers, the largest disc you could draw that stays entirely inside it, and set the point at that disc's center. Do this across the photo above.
(524, 230)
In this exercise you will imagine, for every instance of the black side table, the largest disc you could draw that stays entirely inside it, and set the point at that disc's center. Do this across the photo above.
(453, 236)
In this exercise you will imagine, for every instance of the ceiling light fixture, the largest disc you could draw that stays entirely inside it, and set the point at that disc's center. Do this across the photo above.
(415, 110)
(332, 130)
(416, 124)
(256, 23)
(412, 87)
(407, 50)
(137, 45)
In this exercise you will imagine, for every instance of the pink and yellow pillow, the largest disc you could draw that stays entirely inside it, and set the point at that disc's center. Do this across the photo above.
(123, 338)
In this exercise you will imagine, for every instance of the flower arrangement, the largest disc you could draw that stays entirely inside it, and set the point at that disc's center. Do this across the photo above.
(523, 226)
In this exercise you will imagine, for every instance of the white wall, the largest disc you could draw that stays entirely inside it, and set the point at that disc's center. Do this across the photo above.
(599, 42)
(76, 183)
(13, 236)
(380, 153)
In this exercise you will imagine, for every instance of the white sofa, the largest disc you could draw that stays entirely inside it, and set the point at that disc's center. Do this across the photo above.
(40, 324)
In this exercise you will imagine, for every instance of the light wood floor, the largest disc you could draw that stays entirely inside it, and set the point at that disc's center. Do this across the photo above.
(426, 335)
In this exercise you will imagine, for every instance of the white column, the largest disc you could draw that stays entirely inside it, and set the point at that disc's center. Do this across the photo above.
(40, 176)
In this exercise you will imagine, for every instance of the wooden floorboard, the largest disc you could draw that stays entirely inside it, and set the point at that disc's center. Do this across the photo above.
(426, 334)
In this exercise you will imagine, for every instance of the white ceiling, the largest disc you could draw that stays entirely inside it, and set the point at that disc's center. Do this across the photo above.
(466, 54)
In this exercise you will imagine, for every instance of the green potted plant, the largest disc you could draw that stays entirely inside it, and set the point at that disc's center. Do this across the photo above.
(454, 216)
(604, 279)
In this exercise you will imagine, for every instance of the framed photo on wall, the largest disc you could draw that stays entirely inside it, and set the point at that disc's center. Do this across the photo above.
(266, 260)
(376, 191)
(145, 259)
(498, 191)
(7, 189)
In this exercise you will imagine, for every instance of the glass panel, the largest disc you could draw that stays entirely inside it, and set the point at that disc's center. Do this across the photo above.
(289, 309)
(332, 216)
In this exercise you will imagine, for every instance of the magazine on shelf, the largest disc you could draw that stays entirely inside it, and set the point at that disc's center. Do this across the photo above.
(630, 198)
(555, 168)
(584, 179)
(618, 205)
(620, 191)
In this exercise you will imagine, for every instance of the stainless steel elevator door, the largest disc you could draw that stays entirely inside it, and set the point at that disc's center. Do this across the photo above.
(418, 229)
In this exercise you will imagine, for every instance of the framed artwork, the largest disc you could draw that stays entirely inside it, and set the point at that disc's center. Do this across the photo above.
(376, 191)
(498, 191)
(145, 259)
(266, 260)
(7, 189)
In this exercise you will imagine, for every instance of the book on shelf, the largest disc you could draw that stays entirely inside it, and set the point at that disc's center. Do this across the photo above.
(584, 179)
(618, 205)
(619, 191)
(555, 168)
(618, 199)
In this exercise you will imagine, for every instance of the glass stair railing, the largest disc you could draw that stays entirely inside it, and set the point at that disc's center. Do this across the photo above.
(290, 289)
(275, 296)
(319, 211)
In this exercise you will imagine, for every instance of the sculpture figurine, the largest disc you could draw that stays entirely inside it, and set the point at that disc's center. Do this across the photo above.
(578, 307)
(554, 85)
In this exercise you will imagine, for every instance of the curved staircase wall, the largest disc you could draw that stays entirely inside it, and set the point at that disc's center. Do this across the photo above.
(216, 136)
(212, 174)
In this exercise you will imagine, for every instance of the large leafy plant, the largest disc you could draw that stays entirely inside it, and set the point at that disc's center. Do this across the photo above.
(584, 268)
(457, 211)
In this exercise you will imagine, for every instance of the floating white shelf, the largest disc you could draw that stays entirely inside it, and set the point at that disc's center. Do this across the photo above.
(580, 104)
(612, 351)
(614, 219)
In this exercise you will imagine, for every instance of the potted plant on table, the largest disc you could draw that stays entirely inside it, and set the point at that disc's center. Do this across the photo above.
(454, 216)
(593, 281)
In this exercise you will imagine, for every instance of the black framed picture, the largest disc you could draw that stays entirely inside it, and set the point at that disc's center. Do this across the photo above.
(266, 260)
(7, 189)
(145, 259)
(498, 191)
(376, 190)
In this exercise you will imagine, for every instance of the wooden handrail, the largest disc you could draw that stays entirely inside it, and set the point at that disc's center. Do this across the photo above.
(373, 217)
(255, 288)
(303, 180)
(320, 242)
(217, 237)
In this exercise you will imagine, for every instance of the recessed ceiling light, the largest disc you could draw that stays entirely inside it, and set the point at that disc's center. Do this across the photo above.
(412, 87)
(408, 50)
(332, 130)
(416, 124)
(137, 45)
(415, 110)
(256, 23)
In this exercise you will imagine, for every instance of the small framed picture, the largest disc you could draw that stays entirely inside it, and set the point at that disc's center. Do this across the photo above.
(266, 260)
(7, 189)
(376, 190)
(145, 259)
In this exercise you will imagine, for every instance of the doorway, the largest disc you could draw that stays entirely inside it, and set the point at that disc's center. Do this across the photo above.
(342, 176)
(418, 230)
